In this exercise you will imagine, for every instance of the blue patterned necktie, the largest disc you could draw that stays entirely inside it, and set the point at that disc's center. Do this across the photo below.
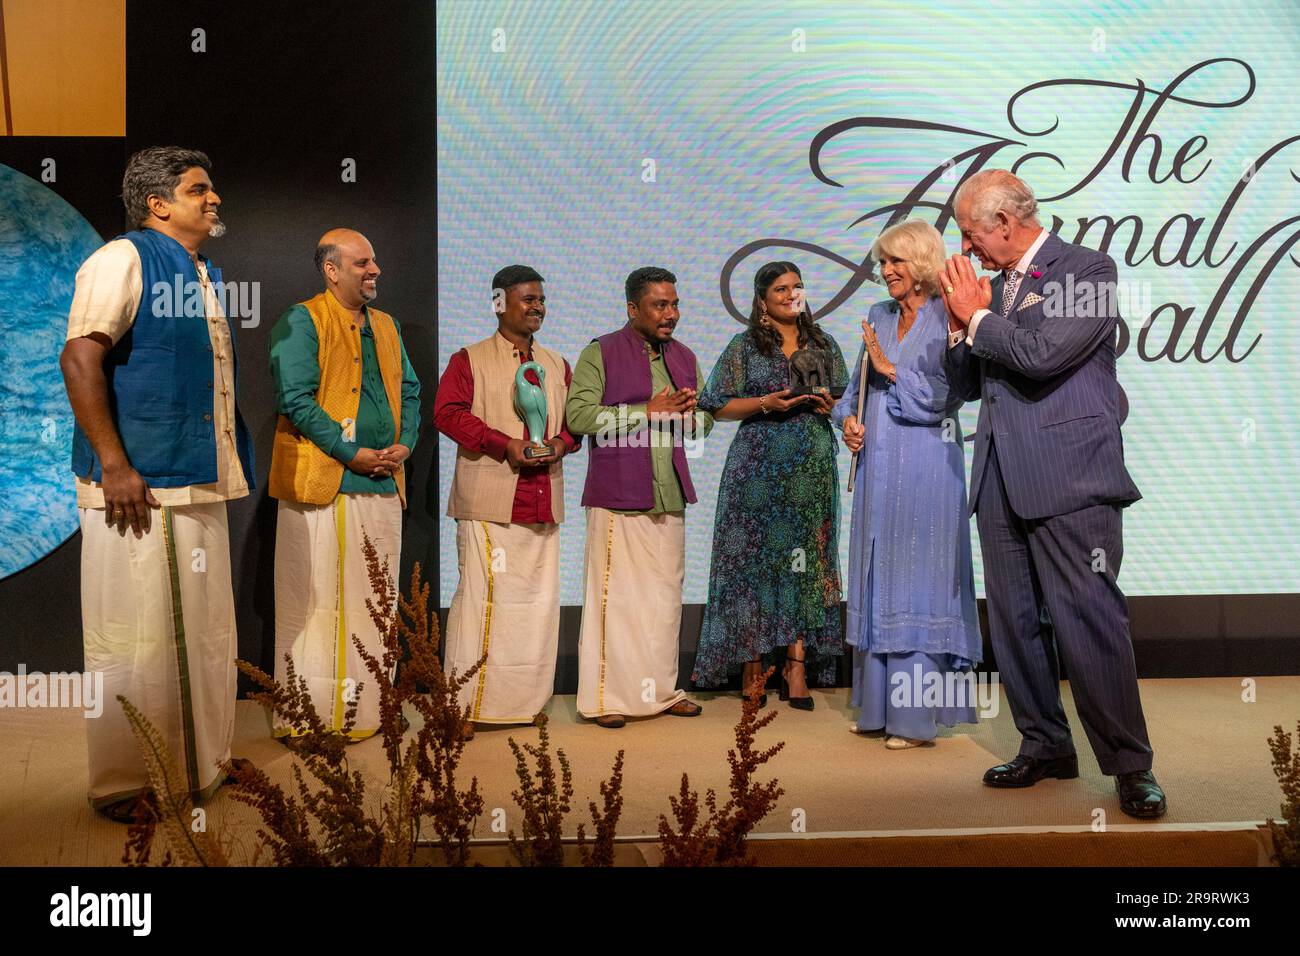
(1012, 279)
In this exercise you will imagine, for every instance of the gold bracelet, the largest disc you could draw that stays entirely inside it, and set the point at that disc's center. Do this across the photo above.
(761, 406)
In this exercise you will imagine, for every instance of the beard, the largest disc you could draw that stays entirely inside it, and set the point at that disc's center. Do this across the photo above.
(217, 229)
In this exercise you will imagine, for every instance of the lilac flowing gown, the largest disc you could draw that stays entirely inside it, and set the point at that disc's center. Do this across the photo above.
(911, 593)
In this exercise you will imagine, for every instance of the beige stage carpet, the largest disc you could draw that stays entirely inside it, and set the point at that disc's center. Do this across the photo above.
(1211, 757)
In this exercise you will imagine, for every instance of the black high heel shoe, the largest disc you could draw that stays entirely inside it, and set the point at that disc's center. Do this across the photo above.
(744, 685)
(798, 703)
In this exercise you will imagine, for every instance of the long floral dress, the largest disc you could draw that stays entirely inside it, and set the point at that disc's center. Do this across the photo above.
(775, 574)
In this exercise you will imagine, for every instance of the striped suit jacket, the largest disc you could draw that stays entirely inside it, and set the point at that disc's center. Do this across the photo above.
(1045, 375)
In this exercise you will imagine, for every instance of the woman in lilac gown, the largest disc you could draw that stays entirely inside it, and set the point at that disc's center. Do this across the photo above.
(912, 621)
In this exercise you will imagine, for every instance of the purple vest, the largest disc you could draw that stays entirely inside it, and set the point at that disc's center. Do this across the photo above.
(620, 477)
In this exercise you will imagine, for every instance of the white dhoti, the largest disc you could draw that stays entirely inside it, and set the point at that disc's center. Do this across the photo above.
(507, 605)
(632, 613)
(158, 619)
(321, 587)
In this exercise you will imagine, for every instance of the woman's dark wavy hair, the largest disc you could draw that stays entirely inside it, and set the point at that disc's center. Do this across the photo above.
(767, 339)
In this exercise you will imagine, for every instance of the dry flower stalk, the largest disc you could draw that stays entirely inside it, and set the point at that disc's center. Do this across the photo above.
(411, 642)
(324, 823)
(168, 808)
(719, 839)
(1286, 765)
(544, 804)
(605, 819)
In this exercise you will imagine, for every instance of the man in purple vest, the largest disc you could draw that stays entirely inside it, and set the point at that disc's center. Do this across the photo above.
(634, 390)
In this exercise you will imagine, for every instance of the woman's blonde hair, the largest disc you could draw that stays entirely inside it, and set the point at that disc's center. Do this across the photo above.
(918, 244)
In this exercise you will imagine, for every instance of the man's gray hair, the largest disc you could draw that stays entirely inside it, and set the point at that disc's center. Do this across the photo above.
(328, 252)
(157, 171)
(991, 191)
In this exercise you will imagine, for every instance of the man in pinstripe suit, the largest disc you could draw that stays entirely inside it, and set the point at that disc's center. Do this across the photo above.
(1037, 346)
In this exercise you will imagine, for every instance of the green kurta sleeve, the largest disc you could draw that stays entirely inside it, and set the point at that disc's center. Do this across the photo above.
(583, 412)
(410, 398)
(297, 377)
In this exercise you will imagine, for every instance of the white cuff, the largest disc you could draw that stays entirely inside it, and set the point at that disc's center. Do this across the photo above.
(974, 322)
(954, 338)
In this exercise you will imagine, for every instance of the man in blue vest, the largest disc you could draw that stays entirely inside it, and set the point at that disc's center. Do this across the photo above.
(158, 450)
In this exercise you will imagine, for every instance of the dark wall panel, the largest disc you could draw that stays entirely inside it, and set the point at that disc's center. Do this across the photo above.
(282, 95)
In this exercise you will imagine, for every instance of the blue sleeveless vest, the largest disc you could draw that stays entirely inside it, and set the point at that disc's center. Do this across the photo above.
(159, 376)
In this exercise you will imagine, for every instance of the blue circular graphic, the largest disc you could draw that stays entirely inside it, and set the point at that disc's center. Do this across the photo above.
(43, 241)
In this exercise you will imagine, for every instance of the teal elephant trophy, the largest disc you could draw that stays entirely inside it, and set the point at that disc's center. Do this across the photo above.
(530, 403)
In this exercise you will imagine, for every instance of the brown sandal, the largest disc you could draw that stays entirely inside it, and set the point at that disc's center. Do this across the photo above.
(238, 763)
(685, 708)
(124, 811)
(611, 721)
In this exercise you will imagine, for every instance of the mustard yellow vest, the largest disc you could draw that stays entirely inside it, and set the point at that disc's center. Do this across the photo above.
(482, 488)
(299, 470)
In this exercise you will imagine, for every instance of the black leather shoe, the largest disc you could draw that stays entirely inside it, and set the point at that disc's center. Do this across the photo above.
(1140, 795)
(1027, 771)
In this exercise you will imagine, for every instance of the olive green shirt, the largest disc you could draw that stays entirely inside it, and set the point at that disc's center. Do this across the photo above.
(587, 416)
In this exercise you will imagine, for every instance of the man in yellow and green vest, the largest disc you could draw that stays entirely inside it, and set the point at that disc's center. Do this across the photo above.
(349, 404)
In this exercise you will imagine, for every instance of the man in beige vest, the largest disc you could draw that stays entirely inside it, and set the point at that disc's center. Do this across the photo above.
(508, 508)
(349, 404)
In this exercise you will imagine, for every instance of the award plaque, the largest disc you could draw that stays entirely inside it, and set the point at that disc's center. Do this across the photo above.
(810, 373)
(530, 403)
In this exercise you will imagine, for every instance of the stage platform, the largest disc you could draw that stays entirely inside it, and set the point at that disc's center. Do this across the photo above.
(856, 801)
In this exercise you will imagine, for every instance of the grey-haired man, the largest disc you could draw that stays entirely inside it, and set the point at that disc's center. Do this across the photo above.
(1048, 483)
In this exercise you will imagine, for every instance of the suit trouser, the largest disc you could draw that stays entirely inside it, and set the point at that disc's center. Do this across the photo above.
(1028, 563)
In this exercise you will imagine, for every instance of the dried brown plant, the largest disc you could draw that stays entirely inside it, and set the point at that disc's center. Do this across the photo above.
(1286, 765)
(719, 839)
(142, 833)
(541, 841)
(411, 642)
(324, 822)
(605, 820)
(168, 809)
(692, 843)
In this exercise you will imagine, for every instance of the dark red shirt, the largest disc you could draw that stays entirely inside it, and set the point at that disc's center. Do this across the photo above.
(452, 417)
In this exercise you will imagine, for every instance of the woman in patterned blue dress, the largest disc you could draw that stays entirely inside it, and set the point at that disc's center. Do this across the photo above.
(775, 577)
